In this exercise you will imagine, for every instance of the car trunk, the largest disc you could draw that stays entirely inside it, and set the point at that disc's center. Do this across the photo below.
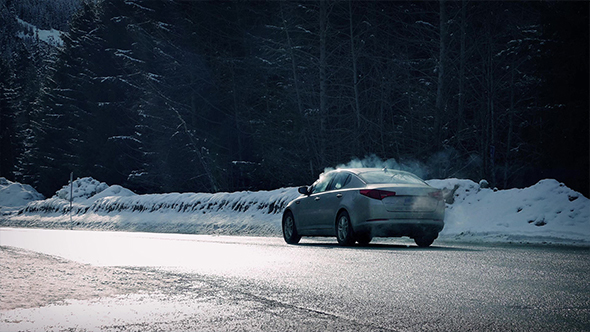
(410, 199)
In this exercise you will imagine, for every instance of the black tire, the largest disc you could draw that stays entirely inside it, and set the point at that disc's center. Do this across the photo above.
(363, 238)
(425, 240)
(289, 229)
(344, 231)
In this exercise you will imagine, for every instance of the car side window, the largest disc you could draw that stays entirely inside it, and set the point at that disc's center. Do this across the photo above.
(354, 182)
(322, 183)
(341, 180)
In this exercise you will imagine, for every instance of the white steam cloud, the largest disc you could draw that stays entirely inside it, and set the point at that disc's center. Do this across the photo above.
(372, 160)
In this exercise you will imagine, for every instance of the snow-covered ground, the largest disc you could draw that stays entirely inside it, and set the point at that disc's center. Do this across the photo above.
(547, 212)
(52, 37)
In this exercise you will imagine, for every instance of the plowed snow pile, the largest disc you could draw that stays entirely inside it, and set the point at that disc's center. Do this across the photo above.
(545, 212)
(15, 194)
(548, 211)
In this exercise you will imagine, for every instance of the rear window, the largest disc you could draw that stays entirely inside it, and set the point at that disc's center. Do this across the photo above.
(383, 177)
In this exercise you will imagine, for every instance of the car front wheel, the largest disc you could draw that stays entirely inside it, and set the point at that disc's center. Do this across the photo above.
(344, 231)
(289, 229)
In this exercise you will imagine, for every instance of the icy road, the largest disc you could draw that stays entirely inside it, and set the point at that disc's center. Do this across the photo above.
(117, 281)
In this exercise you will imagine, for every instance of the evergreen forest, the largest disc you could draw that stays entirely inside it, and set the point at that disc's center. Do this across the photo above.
(210, 96)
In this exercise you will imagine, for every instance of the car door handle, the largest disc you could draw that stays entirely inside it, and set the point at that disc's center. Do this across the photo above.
(317, 198)
(339, 195)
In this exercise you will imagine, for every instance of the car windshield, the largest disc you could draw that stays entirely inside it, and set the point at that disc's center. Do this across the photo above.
(382, 177)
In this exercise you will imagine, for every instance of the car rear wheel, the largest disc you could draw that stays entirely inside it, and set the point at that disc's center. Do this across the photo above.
(289, 229)
(344, 232)
(425, 240)
(364, 238)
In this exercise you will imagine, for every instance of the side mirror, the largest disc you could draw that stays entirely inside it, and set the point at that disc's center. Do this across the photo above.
(303, 191)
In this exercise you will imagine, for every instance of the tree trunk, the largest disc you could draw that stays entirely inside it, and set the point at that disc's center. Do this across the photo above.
(357, 108)
(323, 83)
(510, 124)
(441, 75)
(293, 63)
(491, 96)
(462, 64)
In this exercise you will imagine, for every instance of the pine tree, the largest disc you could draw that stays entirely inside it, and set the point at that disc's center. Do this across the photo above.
(83, 113)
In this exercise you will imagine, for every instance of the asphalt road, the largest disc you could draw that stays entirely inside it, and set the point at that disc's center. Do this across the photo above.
(261, 284)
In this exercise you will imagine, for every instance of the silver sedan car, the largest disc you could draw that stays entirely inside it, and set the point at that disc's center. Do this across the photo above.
(356, 205)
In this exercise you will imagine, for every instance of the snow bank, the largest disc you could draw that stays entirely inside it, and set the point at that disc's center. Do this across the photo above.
(546, 212)
(82, 189)
(14, 194)
(99, 206)
(88, 190)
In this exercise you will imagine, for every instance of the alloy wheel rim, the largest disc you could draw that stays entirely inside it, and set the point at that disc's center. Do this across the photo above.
(342, 227)
(289, 227)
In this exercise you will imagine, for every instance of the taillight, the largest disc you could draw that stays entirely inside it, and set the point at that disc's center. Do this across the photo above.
(436, 194)
(376, 193)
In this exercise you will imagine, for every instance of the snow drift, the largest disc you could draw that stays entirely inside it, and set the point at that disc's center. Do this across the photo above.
(99, 206)
(545, 212)
(14, 194)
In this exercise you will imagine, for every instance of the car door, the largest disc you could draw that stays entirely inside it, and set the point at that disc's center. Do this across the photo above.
(308, 209)
(329, 203)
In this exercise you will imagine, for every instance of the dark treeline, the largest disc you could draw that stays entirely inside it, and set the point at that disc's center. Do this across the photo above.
(162, 96)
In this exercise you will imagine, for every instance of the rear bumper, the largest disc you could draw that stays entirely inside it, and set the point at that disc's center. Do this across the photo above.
(400, 227)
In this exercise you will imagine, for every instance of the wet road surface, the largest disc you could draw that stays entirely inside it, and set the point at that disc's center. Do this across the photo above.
(223, 283)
